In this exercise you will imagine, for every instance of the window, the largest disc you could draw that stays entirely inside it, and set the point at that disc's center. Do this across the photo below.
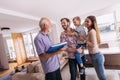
(29, 44)
(107, 27)
(118, 30)
(10, 45)
(118, 22)
(33, 37)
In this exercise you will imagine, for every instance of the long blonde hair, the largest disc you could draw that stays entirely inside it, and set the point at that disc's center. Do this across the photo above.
(95, 26)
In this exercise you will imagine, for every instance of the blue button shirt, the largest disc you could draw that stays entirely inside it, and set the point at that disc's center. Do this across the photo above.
(42, 44)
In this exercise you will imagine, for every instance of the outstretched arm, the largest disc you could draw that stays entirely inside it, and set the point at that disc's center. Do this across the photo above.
(45, 56)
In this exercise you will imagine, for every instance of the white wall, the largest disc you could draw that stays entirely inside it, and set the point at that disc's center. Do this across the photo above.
(3, 55)
(55, 34)
(118, 14)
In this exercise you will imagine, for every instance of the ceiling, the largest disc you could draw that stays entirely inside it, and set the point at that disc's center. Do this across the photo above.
(23, 15)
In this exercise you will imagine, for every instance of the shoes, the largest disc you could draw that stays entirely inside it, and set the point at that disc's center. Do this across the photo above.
(82, 70)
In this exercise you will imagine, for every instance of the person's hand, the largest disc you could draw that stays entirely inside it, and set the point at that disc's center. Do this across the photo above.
(72, 33)
(63, 33)
(65, 55)
(81, 38)
(79, 50)
(64, 48)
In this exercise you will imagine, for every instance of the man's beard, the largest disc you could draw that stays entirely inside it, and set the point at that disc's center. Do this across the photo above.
(65, 28)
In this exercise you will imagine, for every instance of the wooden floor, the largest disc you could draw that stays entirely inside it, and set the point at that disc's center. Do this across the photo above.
(11, 68)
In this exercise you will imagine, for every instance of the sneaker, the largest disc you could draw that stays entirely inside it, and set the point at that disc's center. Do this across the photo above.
(82, 70)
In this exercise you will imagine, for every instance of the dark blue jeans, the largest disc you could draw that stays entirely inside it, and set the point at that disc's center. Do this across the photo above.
(82, 76)
(73, 68)
(98, 62)
(56, 75)
(77, 54)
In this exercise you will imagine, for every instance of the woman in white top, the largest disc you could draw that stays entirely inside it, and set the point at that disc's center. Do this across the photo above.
(93, 41)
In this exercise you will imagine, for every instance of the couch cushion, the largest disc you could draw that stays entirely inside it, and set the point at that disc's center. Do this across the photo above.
(38, 68)
(31, 66)
(28, 76)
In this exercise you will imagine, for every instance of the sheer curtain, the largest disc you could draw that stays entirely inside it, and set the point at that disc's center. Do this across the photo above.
(19, 47)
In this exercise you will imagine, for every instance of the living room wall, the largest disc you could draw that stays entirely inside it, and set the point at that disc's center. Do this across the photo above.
(3, 54)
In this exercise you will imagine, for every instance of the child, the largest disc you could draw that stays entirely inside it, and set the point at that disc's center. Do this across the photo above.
(81, 34)
(77, 54)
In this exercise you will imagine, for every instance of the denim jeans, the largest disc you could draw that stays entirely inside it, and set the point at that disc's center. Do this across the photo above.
(77, 55)
(78, 58)
(98, 62)
(73, 68)
(82, 76)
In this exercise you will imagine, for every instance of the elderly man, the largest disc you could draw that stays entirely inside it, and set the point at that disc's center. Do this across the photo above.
(50, 62)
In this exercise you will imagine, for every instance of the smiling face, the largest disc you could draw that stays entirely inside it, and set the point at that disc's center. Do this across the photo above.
(45, 24)
(91, 23)
(65, 24)
(76, 22)
(88, 23)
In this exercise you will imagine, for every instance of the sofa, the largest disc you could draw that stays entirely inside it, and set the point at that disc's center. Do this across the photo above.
(35, 71)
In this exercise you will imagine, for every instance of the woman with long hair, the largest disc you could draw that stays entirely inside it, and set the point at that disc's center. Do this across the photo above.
(93, 41)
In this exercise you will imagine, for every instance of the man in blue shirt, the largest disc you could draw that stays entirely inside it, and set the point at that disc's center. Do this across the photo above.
(50, 62)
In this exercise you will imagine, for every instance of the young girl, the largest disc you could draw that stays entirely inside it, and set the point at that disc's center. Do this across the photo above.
(93, 42)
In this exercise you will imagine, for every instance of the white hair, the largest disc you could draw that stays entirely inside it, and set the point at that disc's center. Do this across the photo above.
(43, 21)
